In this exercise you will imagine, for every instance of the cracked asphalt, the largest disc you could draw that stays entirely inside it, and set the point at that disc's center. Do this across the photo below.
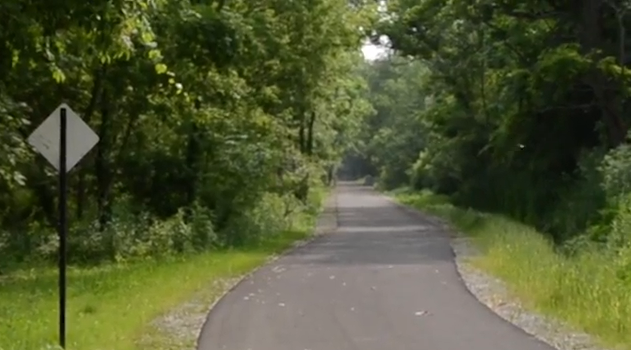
(384, 280)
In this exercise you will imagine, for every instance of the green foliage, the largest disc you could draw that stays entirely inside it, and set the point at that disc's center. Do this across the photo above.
(522, 110)
(615, 168)
(388, 138)
(504, 108)
(215, 119)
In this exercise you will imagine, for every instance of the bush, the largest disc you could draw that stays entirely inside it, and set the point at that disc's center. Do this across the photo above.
(616, 172)
(581, 200)
(271, 215)
(133, 232)
(127, 236)
(619, 236)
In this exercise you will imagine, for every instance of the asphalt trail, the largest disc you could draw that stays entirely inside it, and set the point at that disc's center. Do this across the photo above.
(386, 280)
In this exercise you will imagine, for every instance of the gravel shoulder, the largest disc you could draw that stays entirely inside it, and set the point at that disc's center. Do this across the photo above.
(493, 293)
(179, 328)
(383, 280)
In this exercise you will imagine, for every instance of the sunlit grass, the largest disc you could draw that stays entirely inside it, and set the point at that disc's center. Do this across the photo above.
(110, 307)
(588, 291)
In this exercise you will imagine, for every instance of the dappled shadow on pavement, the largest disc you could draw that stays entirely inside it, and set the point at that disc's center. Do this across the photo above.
(373, 248)
(373, 231)
(387, 216)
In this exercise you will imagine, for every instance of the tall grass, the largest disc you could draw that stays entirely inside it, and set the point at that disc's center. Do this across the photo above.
(589, 290)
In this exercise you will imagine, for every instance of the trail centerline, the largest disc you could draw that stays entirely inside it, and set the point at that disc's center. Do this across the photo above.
(385, 280)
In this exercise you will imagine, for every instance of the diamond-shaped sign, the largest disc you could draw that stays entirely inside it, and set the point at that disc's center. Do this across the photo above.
(79, 137)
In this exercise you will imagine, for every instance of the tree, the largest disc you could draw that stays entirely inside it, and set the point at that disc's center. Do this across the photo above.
(522, 98)
(204, 109)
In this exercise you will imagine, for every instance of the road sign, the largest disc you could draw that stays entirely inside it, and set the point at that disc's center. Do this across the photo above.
(63, 139)
(81, 139)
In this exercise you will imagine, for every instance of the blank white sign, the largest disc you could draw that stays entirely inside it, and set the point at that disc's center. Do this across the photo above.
(80, 139)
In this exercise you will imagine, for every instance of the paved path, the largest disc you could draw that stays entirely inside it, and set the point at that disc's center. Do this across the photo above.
(385, 281)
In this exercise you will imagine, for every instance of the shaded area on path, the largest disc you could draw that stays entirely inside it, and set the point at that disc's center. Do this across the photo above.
(385, 280)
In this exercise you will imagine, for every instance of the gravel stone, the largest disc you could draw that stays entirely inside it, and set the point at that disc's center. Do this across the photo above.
(180, 327)
(493, 293)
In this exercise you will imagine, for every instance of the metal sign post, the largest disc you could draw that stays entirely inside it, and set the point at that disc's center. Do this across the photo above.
(63, 224)
(63, 139)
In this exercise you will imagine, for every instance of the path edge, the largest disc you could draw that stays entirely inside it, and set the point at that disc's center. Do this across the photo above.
(546, 329)
(326, 223)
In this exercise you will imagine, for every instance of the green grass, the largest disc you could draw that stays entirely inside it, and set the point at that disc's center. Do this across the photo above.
(590, 291)
(111, 307)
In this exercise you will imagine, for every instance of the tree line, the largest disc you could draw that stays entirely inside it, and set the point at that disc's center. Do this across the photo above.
(217, 119)
(520, 108)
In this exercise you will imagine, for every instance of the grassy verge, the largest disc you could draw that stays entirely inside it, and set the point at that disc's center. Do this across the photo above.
(111, 307)
(587, 290)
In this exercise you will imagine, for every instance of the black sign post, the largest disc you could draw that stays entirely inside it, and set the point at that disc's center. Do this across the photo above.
(63, 224)
(50, 139)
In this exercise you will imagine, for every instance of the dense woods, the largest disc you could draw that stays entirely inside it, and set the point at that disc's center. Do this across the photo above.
(219, 120)
(216, 119)
(519, 108)
(510, 119)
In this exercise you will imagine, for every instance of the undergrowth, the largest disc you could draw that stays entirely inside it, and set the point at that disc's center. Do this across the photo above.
(110, 305)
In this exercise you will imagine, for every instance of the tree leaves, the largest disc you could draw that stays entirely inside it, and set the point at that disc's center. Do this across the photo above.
(515, 92)
(194, 102)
